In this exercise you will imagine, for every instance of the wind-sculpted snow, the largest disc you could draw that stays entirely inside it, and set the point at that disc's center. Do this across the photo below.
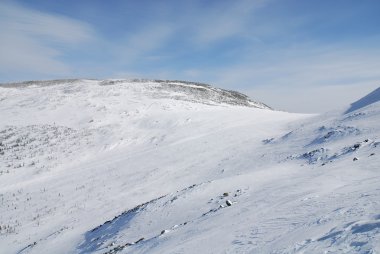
(151, 166)
(335, 132)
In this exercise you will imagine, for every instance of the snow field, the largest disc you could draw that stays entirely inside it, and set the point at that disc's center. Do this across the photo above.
(147, 167)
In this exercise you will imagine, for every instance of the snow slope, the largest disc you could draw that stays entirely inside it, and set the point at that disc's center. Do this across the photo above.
(365, 101)
(143, 166)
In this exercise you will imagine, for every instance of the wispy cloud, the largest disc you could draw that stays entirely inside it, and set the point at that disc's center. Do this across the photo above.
(314, 65)
(317, 77)
(224, 21)
(250, 45)
(206, 25)
(32, 41)
(142, 44)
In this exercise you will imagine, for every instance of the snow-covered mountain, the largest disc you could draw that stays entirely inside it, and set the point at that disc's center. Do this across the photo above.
(148, 166)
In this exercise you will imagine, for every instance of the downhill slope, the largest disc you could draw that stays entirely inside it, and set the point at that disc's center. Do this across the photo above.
(365, 101)
(119, 166)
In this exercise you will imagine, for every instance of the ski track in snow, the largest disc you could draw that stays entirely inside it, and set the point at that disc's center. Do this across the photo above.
(148, 166)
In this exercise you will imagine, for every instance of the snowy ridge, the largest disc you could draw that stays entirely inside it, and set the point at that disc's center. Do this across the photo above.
(180, 90)
(373, 97)
(91, 166)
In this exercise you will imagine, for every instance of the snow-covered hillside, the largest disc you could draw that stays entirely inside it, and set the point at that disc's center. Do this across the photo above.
(142, 166)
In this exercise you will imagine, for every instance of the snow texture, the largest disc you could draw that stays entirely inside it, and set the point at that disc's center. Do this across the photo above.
(151, 166)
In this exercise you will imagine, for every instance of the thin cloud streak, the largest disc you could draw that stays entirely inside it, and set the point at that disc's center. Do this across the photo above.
(224, 22)
(316, 66)
(32, 41)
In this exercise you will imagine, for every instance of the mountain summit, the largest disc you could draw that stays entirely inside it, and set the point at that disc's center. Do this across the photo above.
(168, 89)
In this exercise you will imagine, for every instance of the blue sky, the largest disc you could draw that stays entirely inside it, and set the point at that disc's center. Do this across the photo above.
(300, 56)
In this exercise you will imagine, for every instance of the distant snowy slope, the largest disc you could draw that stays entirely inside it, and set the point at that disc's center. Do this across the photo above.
(365, 101)
(181, 90)
(117, 166)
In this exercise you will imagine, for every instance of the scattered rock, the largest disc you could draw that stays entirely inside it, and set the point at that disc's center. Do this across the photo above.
(165, 231)
(228, 203)
(355, 159)
(225, 194)
(141, 239)
(312, 156)
(372, 154)
(268, 140)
